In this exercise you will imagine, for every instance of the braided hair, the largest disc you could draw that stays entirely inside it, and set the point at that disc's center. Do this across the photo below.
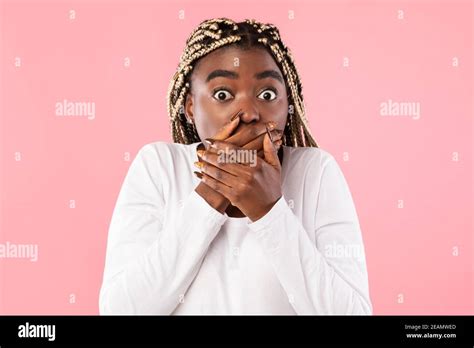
(222, 32)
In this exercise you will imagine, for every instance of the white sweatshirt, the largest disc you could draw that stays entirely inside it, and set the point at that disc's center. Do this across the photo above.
(170, 252)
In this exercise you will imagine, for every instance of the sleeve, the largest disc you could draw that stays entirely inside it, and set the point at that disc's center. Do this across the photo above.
(330, 275)
(148, 267)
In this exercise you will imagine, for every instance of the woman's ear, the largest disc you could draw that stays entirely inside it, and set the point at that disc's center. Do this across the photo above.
(189, 107)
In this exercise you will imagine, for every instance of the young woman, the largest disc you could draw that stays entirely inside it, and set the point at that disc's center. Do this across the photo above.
(271, 232)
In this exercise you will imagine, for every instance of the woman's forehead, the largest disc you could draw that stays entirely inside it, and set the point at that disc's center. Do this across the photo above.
(252, 60)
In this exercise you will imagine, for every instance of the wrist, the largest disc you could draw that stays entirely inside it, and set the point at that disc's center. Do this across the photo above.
(212, 197)
(257, 215)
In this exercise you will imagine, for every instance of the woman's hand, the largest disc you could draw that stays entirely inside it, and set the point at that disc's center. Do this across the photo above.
(251, 137)
(211, 196)
(252, 189)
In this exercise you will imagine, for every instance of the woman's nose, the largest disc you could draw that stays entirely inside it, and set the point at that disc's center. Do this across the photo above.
(249, 113)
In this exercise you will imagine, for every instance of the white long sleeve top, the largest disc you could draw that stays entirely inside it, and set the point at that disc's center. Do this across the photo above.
(170, 252)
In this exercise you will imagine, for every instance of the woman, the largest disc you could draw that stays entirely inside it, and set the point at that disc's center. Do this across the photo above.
(272, 232)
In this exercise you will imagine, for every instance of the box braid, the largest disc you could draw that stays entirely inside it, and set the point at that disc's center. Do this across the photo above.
(222, 32)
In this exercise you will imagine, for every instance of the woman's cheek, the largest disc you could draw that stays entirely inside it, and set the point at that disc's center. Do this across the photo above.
(280, 113)
(207, 128)
(207, 120)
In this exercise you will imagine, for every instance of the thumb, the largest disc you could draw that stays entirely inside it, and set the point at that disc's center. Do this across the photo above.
(270, 154)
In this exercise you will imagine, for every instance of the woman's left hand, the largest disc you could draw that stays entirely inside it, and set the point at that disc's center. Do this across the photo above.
(252, 187)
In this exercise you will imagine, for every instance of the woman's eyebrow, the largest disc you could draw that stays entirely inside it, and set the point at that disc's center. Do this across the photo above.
(233, 75)
(222, 73)
(270, 73)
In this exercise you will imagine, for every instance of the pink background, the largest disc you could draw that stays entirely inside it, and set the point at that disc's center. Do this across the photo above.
(410, 251)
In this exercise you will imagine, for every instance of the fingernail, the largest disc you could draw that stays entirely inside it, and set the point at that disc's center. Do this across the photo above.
(199, 164)
(200, 152)
(210, 141)
(199, 175)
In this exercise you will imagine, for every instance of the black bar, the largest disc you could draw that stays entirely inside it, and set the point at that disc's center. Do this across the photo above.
(290, 330)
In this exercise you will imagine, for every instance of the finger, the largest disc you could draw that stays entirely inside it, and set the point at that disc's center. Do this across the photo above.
(217, 185)
(248, 132)
(226, 130)
(232, 150)
(257, 143)
(277, 142)
(270, 153)
(226, 162)
(219, 174)
(222, 145)
(234, 154)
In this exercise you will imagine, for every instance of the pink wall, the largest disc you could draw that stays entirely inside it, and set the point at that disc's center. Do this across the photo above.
(419, 251)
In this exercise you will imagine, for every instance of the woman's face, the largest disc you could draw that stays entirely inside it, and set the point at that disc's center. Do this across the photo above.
(231, 79)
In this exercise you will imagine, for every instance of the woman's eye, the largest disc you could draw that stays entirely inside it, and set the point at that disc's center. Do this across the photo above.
(222, 95)
(267, 94)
